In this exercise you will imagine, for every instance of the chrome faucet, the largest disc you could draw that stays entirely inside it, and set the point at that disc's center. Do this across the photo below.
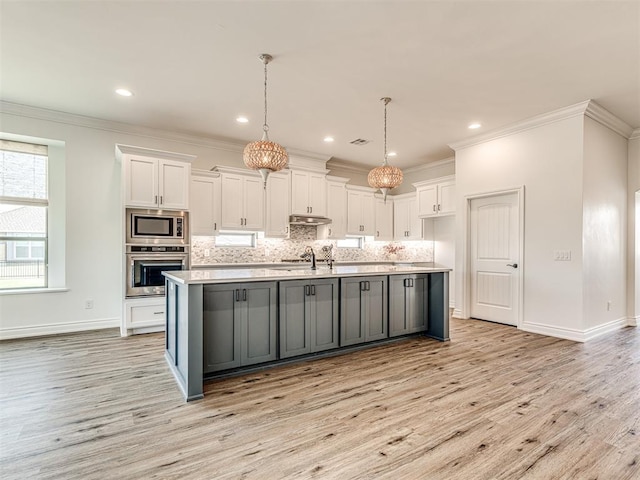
(309, 254)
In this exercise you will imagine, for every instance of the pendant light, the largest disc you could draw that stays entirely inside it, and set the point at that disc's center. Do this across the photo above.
(264, 155)
(386, 176)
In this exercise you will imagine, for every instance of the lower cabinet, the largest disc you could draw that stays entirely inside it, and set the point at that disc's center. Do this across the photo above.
(408, 297)
(363, 309)
(239, 324)
(308, 316)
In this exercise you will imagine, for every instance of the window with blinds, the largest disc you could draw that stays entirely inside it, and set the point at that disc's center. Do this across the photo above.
(23, 215)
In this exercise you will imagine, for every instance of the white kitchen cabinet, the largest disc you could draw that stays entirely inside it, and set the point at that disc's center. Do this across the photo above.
(204, 195)
(278, 205)
(384, 218)
(406, 223)
(336, 210)
(361, 216)
(156, 182)
(242, 202)
(143, 315)
(308, 193)
(436, 197)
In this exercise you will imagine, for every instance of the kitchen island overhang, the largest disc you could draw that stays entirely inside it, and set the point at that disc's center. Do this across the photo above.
(225, 320)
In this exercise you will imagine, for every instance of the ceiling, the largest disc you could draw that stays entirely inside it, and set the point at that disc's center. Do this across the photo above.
(194, 67)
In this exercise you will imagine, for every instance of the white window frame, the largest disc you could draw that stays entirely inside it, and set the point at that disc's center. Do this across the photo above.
(348, 242)
(220, 240)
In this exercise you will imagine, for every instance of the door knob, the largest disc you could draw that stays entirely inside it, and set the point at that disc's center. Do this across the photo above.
(514, 265)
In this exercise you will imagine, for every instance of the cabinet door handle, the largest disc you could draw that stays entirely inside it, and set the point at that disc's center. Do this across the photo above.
(307, 290)
(411, 282)
(368, 286)
(237, 295)
(362, 287)
(329, 232)
(286, 230)
(313, 289)
(215, 226)
(439, 207)
(244, 294)
(310, 209)
(404, 282)
(156, 200)
(158, 313)
(377, 233)
(160, 199)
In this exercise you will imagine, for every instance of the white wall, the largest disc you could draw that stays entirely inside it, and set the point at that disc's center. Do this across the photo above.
(547, 161)
(633, 237)
(604, 225)
(92, 232)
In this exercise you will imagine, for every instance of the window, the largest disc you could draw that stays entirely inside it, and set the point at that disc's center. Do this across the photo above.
(236, 240)
(23, 215)
(353, 242)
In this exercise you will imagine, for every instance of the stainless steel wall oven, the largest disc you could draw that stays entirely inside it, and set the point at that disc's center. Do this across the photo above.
(145, 264)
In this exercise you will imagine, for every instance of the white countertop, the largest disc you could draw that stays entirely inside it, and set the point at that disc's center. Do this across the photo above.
(235, 275)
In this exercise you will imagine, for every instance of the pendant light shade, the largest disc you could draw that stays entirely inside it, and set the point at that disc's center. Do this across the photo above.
(386, 176)
(264, 155)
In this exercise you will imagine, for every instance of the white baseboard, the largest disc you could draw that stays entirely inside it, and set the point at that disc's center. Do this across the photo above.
(56, 328)
(633, 321)
(575, 334)
(457, 313)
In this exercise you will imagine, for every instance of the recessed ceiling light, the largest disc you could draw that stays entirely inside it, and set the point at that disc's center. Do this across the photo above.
(473, 126)
(328, 139)
(242, 120)
(124, 92)
(391, 154)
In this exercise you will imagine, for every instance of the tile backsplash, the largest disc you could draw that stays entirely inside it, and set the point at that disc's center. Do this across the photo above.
(277, 249)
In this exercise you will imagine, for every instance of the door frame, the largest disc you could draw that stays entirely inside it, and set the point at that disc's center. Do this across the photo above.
(466, 253)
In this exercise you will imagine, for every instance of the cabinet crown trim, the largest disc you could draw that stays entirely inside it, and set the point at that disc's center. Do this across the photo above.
(359, 188)
(404, 196)
(151, 153)
(434, 181)
(235, 170)
(204, 173)
(331, 178)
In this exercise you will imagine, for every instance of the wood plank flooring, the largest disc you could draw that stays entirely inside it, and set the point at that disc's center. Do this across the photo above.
(494, 403)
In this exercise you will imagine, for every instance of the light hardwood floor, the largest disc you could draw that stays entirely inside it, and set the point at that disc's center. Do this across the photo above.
(494, 403)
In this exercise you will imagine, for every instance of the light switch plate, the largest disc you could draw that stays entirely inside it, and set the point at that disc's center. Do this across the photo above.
(562, 255)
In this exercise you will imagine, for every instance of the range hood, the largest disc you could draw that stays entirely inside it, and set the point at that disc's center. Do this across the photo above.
(308, 220)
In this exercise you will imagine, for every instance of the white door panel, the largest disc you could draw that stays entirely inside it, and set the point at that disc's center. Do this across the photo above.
(495, 244)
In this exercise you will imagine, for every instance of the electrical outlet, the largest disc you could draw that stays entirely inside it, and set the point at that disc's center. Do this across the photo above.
(207, 252)
(88, 304)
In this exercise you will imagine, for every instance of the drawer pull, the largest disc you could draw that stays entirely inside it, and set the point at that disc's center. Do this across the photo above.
(158, 313)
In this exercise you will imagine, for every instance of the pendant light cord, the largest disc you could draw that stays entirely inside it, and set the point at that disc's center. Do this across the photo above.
(386, 100)
(265, 127)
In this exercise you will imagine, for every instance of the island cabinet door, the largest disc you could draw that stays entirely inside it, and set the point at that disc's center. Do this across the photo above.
(308, 316)
(374, 302)
(323, 312)
(363, 310)
(221, 328)
(407, 304)
(352, 326)
(295, 335)
(258, 310)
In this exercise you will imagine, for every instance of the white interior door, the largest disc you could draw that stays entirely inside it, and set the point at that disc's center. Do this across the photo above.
(495, 263)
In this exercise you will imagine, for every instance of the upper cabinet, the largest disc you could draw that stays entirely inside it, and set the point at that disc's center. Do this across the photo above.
(308, 193)
(436, 197)
(278, 205)
(242, 201)
(205, 200)
(406, 223)
(384, 218)
(156, 182)
(336, 209)
(360, 211)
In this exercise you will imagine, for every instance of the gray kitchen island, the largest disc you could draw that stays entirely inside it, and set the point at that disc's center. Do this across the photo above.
(222, 321)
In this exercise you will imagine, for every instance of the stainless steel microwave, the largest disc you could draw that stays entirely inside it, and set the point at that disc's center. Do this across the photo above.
(157, 227)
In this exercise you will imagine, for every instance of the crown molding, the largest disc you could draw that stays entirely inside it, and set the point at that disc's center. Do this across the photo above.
(235, 171)
(429, 166)
(150, 152)
(360, 188)
(635, 134)
(333, 178)
(608, 119)
(587, 108)
(533, 122)
(118, 127)
(348, 166)
(204, 173)
(434, 181)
